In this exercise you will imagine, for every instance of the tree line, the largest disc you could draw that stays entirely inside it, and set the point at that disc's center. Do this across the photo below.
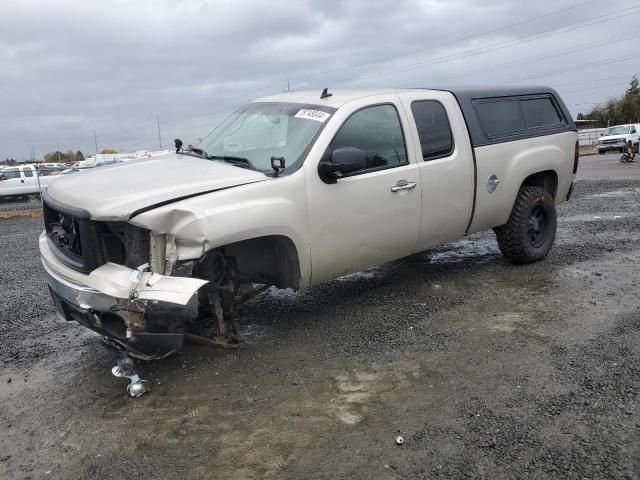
(617, 110)
(63, 157)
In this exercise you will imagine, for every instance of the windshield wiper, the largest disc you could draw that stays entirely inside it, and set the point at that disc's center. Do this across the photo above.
(194, 152)
(237, 161)
(233, 160)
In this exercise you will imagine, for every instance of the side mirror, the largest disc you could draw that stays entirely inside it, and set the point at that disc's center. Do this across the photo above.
(343, 161)
(2, 177)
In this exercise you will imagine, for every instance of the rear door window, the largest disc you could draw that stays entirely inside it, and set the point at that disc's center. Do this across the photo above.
(434, 131)
(540, 112)
(501, 117)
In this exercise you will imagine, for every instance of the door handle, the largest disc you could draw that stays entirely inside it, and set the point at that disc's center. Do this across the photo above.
(403, 185)
(21, 181)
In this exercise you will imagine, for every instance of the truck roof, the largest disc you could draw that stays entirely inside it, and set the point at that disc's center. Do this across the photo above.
(466, 96)
(338, 97)
(341, 96)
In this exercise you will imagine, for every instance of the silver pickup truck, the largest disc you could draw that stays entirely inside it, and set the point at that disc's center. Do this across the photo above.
(298, 188)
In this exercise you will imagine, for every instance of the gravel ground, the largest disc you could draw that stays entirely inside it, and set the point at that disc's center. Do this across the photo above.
(488, 370)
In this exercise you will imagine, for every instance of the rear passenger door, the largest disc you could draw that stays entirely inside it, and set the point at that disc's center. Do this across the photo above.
(445, 163)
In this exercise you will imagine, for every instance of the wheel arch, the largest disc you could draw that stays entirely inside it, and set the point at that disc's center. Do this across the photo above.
(271, 259)
(546, 179)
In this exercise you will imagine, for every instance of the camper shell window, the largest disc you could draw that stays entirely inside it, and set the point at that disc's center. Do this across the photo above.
(501, 117)
(506, 114)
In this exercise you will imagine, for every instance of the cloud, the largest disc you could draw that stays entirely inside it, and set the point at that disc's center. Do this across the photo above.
(74, 67)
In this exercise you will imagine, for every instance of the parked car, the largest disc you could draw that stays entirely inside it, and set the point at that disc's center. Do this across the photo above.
(53, 166)
(616, 137)
(110, 161)
(22, 181)
(315, 187)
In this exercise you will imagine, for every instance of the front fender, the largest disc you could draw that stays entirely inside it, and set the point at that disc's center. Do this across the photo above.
(202, 223)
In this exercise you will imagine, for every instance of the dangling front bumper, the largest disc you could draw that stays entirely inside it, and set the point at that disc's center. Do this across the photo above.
(101, 301)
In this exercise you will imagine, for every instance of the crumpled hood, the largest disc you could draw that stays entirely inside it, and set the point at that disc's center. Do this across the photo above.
(114, 192)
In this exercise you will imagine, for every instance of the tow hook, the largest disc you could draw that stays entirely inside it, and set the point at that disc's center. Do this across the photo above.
(126, 369)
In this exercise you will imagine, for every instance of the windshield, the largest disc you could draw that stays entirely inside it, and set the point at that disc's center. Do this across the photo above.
(261, 130)
(620, 130)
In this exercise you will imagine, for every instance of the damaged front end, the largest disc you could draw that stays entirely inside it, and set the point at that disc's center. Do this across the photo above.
(127, 284)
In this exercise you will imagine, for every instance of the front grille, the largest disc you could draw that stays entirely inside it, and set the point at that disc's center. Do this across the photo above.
(85, 244)
(609, 142)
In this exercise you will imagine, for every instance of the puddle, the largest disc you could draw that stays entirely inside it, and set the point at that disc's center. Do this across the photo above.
(282, 293)
(595, 217)
(366, 275)
(465, 249)
(506, 322)
(359, 391)
(617, 193)
(604, 270)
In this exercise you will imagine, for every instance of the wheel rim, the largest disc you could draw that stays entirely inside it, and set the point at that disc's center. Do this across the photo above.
(538, 220)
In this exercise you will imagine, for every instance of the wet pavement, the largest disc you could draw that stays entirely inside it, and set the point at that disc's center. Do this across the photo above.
(487, 369)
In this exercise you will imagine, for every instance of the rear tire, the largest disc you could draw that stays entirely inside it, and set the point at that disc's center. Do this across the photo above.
(531, 229)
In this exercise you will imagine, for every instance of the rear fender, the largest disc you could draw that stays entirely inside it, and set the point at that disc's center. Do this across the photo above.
(513, 163)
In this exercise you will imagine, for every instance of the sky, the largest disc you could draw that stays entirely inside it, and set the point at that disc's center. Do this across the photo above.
(72, 69)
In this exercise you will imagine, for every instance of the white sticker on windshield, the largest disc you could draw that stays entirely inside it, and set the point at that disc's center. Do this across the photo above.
(316, 115)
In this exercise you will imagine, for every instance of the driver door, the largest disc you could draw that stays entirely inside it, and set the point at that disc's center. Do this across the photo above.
(370, 216)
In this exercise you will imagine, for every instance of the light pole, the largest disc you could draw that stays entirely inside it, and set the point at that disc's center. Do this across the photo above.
(159, 136)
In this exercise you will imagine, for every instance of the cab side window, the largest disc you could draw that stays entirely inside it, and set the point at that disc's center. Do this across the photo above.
(11, 173)
(377, 132)
(28, 172)
(436, 139)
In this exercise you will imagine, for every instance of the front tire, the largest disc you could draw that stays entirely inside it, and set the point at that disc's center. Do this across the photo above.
(531, 229)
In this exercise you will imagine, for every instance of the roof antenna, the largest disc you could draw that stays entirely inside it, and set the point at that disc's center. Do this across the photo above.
(325, 94)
